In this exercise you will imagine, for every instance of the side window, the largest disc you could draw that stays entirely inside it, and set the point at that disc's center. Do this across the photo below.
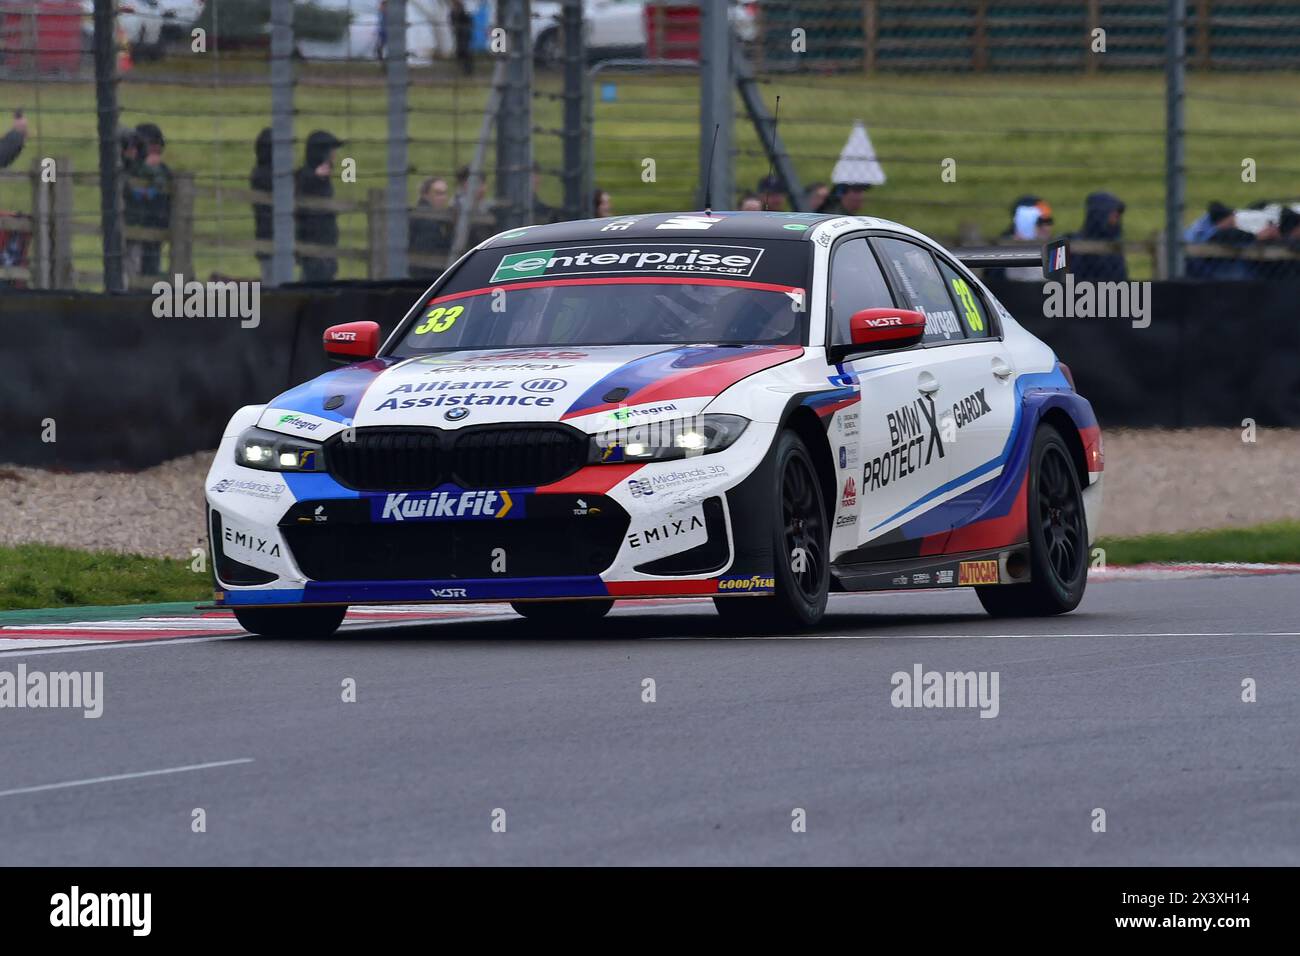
(912, 270)
(974, 317)
(856, 284)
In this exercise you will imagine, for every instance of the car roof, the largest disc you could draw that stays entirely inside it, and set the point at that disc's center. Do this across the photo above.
(669, 225)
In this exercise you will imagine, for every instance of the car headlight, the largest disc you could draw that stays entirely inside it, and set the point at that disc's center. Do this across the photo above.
(666, 441)
(271, 451)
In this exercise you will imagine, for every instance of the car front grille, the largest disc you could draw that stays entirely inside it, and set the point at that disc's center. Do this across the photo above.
(480, 456)
(552, 541)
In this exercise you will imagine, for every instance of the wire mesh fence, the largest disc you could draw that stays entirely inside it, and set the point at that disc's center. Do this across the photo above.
(973, 121)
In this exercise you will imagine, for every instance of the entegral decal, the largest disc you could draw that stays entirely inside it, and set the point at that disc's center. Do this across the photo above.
(444, 505)
(628, 259)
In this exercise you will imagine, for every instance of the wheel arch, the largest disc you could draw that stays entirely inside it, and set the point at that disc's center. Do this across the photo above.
(803, 421)
(1069, 431)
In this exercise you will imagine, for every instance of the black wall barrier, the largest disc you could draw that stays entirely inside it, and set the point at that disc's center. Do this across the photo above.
(128, 390)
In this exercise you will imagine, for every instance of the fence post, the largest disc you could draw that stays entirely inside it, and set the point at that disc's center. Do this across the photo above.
(282, 191)
(376, 233)
(1175, 166)
(716, 112)
(980, 54)
(40, 257)
(395, 66)
(1090, 61)
(109, 158)
(61, 273)
(575, 59)
(515, 118)
(1203, 34)
(182, 225)
(870, 25)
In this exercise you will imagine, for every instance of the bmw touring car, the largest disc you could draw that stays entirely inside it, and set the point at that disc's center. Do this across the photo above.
(760, 408)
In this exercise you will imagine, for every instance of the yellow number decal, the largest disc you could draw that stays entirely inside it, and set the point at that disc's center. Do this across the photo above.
(973, 317)
(439, 319)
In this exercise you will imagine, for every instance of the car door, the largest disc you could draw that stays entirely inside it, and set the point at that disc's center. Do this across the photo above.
(980, 410)
(891, 459)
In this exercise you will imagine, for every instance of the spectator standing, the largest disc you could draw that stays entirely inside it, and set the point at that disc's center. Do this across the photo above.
(317, 226)
(846, 199)
(1218, 226)
(260, 180)
(147, 200)
(771, 194)
(1102, 222)
(602, 206)
(462, 28)
(542, 212)
(814, 196)
(11, 143)
(1031, 222)
(431, 237)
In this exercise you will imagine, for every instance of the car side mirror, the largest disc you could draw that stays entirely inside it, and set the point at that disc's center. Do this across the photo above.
(885, 328)
(352, 341)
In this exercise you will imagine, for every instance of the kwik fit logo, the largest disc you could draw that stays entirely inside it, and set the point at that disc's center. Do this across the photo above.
(444, 506)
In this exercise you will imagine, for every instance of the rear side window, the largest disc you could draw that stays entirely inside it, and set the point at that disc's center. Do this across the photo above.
(916, 278)
(970, 308)
(856, 284)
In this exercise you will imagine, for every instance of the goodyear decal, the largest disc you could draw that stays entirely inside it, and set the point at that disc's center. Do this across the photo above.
(755, 583)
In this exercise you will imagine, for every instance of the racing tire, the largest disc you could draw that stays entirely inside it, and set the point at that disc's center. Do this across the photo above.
(1058, 538)
(798, 521)
(562, 612)
(291, 622)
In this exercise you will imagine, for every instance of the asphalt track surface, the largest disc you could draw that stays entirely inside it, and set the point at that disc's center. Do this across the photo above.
(1132, 704)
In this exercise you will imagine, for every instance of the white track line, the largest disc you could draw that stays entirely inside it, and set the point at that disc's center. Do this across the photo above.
(125, 776)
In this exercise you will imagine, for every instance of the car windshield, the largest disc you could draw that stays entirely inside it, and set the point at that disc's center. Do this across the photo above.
(618, 294)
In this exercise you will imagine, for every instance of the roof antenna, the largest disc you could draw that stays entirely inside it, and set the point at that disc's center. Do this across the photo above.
(771, 156)
(708, 172)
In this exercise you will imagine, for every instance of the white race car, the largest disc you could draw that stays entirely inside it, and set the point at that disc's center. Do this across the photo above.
(759, 407)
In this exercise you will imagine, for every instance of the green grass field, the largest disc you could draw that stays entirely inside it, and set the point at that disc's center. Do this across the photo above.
(41, 576)
(1058, 135)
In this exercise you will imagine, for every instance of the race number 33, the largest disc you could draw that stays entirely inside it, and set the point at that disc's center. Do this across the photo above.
(967, 300)
(439, 319)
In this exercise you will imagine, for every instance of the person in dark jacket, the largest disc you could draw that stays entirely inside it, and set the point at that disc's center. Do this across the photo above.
(1218, 226)
(317, 226)
(260, 180)
(11, 143)
(1285, 236)
(1102, 217)
(147, 198)
(431, 237)
(462, 27)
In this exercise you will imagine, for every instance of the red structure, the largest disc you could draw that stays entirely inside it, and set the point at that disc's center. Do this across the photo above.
(39, 37)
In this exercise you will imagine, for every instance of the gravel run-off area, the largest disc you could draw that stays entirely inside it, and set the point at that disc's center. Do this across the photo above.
(1156, 481)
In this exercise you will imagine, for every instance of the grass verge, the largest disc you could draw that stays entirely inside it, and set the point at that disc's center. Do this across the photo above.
(1274, 543)
(44, 576)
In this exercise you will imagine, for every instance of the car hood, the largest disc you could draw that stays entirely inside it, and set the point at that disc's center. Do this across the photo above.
(590, 387)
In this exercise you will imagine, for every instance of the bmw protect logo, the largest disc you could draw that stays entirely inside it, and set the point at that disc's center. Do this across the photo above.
(456, 414)
(543, 385)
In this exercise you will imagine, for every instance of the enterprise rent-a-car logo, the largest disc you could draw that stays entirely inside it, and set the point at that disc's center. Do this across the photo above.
(627, 259)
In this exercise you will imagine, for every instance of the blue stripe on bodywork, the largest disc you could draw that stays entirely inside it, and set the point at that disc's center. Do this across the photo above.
(1037, 382)
(351, 382)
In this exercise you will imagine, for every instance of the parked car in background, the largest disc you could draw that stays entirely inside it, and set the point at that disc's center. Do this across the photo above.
(616, 28)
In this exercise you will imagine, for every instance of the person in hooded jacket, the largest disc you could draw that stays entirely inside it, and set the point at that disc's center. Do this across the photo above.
(261, 180)
(317, 226)
(11, 143)
(1102, 217)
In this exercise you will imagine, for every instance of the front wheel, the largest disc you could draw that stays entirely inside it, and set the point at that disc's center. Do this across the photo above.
(304, 622)
(1058, 538)
(560, 613)
(800, 548)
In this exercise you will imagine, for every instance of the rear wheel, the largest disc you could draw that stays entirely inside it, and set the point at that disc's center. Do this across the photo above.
(305, 622)
(1058, 538)
(800, 548)
(562, 612)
